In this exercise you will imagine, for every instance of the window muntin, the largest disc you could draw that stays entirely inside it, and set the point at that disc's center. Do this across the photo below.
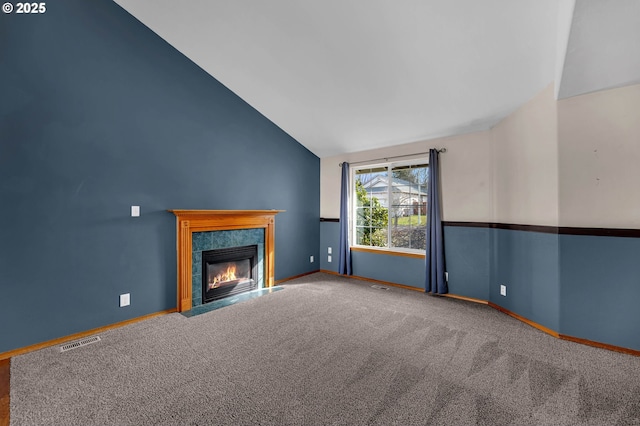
(390, 205)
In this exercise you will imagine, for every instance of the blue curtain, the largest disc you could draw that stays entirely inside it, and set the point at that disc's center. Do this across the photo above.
(435, 282)
(344, 264)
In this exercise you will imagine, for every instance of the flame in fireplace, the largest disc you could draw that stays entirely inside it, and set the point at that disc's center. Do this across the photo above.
(228, 275)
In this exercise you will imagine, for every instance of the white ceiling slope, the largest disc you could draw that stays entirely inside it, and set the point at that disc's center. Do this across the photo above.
(349, 75)
(603, 47)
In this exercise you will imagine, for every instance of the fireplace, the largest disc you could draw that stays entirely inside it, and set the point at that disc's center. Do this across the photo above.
(193, 222)
(228, 271)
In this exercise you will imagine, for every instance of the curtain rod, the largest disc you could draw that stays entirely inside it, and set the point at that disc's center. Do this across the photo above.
(392, 158)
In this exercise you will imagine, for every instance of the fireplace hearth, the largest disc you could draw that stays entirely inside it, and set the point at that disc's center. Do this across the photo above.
(228, 272)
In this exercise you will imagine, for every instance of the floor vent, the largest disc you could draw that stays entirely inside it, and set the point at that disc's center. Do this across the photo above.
(379, 287)
(79, 343)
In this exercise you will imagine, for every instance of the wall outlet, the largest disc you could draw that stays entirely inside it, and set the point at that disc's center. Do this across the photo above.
(503, 290)
(446, 276)
(329, 250)
(311, 259)
(125, 300)
(135, 211)
(329, 258)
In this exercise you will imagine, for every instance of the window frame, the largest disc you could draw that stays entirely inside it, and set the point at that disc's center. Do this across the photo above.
(353, 205)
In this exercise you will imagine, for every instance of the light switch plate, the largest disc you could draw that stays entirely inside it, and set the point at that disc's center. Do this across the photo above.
(125, 299)
(135, 211)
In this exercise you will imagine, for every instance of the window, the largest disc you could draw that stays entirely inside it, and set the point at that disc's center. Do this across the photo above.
(390, 205)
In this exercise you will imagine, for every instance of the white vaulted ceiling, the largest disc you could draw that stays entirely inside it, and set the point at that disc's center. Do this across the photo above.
(603, 47)
(349, 75)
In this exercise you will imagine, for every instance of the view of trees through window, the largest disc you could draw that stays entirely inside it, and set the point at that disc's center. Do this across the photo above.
(391, 206)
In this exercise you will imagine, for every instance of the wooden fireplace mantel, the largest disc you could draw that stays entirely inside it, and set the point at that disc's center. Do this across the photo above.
(190, 221)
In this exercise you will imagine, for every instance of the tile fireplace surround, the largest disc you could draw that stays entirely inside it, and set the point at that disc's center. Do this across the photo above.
(190, 221)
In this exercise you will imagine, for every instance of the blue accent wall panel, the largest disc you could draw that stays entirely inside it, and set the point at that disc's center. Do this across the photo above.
(467, 259)
(528, 264)
(98, 113)
(395, 269)
(329, 237)
(601, 289)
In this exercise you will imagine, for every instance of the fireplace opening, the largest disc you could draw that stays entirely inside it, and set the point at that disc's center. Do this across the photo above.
(229, 271)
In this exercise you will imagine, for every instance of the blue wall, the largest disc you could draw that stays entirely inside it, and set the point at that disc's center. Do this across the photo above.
(97, 113)
(468, 255)
(600, 289)
(395, 269)
(527, 263)
(329, 237)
